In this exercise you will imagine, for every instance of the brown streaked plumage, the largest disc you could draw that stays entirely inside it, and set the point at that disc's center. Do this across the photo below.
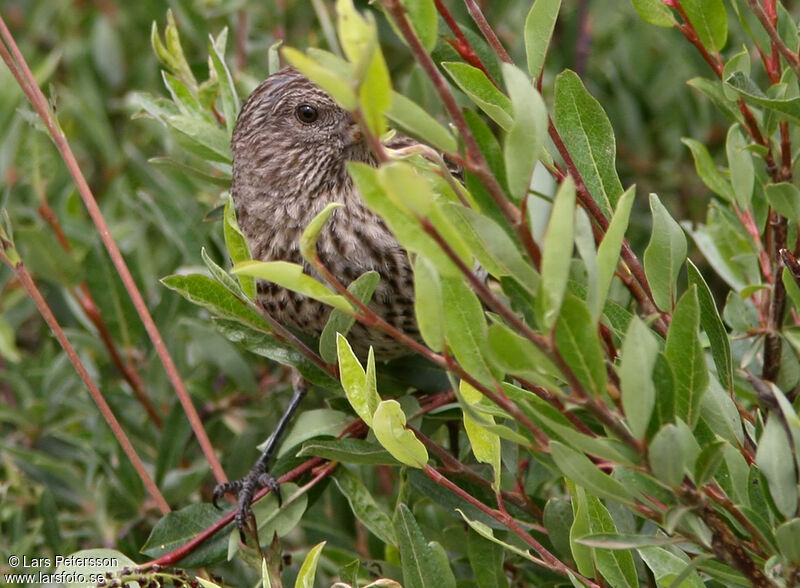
(290, 148)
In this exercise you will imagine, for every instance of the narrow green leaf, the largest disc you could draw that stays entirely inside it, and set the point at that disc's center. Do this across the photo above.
(687, 358)
(187, 103)
(237, 246)
(178, 527)
(788, 537)
(202, 137)
(666, 566)
(666, 456)
(525, 139)
(355, 451)
(577, 467)
(577, 340)
(709, 20)
(664, 255)
(305, 577)
(486, 532)
(486, 561)
(707, 171)
(485, 444)
(308, 240)
(428, 303)
(415, 120)
(474, 83)
(709, 461)
(420, 566)
(516, 355)
(786, 108)
(587, 133)
(654, 12)
(773, 457)
(740, 163)
(227, 90)
(364, 506)
(359, 385)
(712, 324)
(639, 354)
(215, 297)
(341, 322)
(784, 198)
(388, 424)
(557, 253)
(465, 328)
(609, 248)
(719, 412)
(616, 566)
(492, 246)
(291, 276)
(334, 84)
(424, 20)
(539, 25)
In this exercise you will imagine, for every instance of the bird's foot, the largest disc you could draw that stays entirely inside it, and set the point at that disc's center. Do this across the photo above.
(244, 490)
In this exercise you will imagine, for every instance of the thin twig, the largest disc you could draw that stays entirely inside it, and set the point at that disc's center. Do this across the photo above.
(486, 30)
(22, 73)
(105, 410)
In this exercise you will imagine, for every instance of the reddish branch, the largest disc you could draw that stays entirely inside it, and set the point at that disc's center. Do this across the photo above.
(27, 82)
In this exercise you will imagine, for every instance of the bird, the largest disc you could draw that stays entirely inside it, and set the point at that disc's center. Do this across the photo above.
(291, 145)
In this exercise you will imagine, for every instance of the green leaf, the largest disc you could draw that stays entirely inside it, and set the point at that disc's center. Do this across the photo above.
(707, 171)
(305, 577)
(557, 253)
(719, 412)
(773, 457)
(364, 506)
(184, 99)
(215, 297)
(708, 462)
(492, 247)
(291, 276)
(416, 121)
(666, 456)
(577, 467)
(539, 25)
(308, 240)
(227, 89)
(465, 328)
(579, 344)
(786, 108)
(486, 561)
(616, 566)
(424, 21)
(712, 324)
(179, 527)
(341, 322)
(277, 518)
(355, 451)
(740, 163)
(609, 248)
(428, 303)
(331, 81)
(516, 355)
(45, 257)
(557, 518)
(388, 424)
(359, 385)
(486, 532)
(73, 565)
(666, 566)
(639, 354)
(709, 20)
(201, 137)
(687, 358)
(237, 246)
(587, 133)
(664, 255)
(524, 142)
(474, 83)
(785, 199)
(788, 538)
(654, 12)
(485, 444)
(420, 566)
(399, 218)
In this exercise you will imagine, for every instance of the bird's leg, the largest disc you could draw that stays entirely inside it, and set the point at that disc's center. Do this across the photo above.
(259, 477)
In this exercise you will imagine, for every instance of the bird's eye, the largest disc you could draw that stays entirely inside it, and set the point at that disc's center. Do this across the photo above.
(306, 114)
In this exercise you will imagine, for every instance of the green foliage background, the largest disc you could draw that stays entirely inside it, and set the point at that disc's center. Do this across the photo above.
(65, 484)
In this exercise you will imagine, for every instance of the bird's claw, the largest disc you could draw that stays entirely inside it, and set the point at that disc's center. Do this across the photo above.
(245, 489)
